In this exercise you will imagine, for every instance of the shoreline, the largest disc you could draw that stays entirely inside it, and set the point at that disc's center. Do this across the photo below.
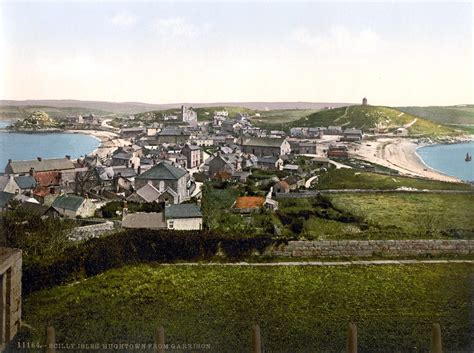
(109, 141)
(401, 155)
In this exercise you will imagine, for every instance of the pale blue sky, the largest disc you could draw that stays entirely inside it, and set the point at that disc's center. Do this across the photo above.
(394, 53)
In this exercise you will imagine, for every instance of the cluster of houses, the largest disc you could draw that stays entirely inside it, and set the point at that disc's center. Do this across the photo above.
(165, 163)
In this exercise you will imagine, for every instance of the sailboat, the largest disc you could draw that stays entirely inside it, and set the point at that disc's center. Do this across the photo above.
(468, 157)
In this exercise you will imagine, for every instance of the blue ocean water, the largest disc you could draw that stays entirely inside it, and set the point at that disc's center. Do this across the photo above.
(21, 146)
(449, 159)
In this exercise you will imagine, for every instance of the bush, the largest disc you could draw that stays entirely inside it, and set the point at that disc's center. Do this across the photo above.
(130, 247)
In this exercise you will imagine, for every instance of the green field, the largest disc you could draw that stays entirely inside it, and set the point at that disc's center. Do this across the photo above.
(411, 215)
(378, 216)
(355, 179)
(446, 115)
(273, 118)
(365, 117)
(299, 309)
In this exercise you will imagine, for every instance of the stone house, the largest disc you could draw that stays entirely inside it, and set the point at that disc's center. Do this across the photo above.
(183, 217)
(73, 206)
(193, 155)
(39, 165)
(21, 184)
(270, 163)
(265, 146)
(172, 135)
(352, 135)
(229, 163)
(163, 176)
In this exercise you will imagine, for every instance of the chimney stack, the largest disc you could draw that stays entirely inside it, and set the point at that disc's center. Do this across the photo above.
(39, 159)
(68, 157)
(32, 171)
(125, 209)
(9, 161)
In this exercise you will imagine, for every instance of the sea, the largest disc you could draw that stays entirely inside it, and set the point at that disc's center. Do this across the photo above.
(450, 159)
(24, 146)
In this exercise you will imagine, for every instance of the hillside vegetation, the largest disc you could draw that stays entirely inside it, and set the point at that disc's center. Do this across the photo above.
(36, 121)
(203, 113)
(299, 309)
(458, 114)
(22, 112)
(366, 117)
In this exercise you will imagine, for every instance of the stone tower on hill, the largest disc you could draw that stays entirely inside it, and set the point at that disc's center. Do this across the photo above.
(364, 101)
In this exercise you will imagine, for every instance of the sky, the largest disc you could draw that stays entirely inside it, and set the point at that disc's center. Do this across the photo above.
(394, 53)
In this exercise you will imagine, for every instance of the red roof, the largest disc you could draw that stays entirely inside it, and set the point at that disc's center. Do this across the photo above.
(48, 178)
(249, 202)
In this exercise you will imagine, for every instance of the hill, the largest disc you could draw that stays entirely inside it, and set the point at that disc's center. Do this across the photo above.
(37, 120)
(457, 114)
(138, 107)
(9, 112)
(366, 117)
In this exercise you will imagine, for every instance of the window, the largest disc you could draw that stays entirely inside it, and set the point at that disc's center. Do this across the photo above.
(171, 224)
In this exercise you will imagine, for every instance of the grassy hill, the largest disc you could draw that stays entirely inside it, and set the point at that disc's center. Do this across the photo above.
(271, 118)
(299, 309)
(366, 117)
(204, 113)
(458, 114)
(22, 112)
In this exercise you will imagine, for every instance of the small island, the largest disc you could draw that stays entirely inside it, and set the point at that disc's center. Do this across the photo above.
(37, 121)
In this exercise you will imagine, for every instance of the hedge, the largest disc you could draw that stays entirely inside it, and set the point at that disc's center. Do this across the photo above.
(130, 247)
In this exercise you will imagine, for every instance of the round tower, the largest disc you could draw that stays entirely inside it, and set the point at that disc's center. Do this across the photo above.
(364, 101)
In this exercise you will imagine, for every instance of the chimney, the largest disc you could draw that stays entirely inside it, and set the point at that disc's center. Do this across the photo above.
(39, 159)
(125, 209)
(32, 171)
(68, 157)
(9, 161)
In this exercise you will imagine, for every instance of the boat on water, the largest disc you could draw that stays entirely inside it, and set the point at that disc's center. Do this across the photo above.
(468, 157)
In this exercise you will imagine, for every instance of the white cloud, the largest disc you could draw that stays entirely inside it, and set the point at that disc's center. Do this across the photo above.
(339, 39)
(123, 19)
(178, 27)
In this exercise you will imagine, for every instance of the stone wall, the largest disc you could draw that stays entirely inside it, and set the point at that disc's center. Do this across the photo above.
(91, 231)
(365, 248)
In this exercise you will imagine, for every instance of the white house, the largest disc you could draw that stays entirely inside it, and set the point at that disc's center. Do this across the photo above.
(183, 217)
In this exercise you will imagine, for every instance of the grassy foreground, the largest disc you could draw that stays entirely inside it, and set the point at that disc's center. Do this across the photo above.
(299, 309)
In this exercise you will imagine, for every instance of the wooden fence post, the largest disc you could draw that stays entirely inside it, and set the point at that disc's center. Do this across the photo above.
(256, 340)
(160, 340)
(50, 340)
(436, 340)
(352, 339)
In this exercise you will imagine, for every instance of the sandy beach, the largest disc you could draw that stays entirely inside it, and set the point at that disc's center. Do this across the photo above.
(109, 141)
(400, 154)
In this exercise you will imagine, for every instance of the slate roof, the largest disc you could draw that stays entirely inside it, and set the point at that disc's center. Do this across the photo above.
(163, 171)
(68, 202)
(143, 220)
(148, 193)
(268, 160)
(19, 167)
(173, 132)
(3, 181)
(352, 131)
(33, 208)
(25, 182)
(5, 198)
(184, 210)
(262, 141)
(122, 155)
